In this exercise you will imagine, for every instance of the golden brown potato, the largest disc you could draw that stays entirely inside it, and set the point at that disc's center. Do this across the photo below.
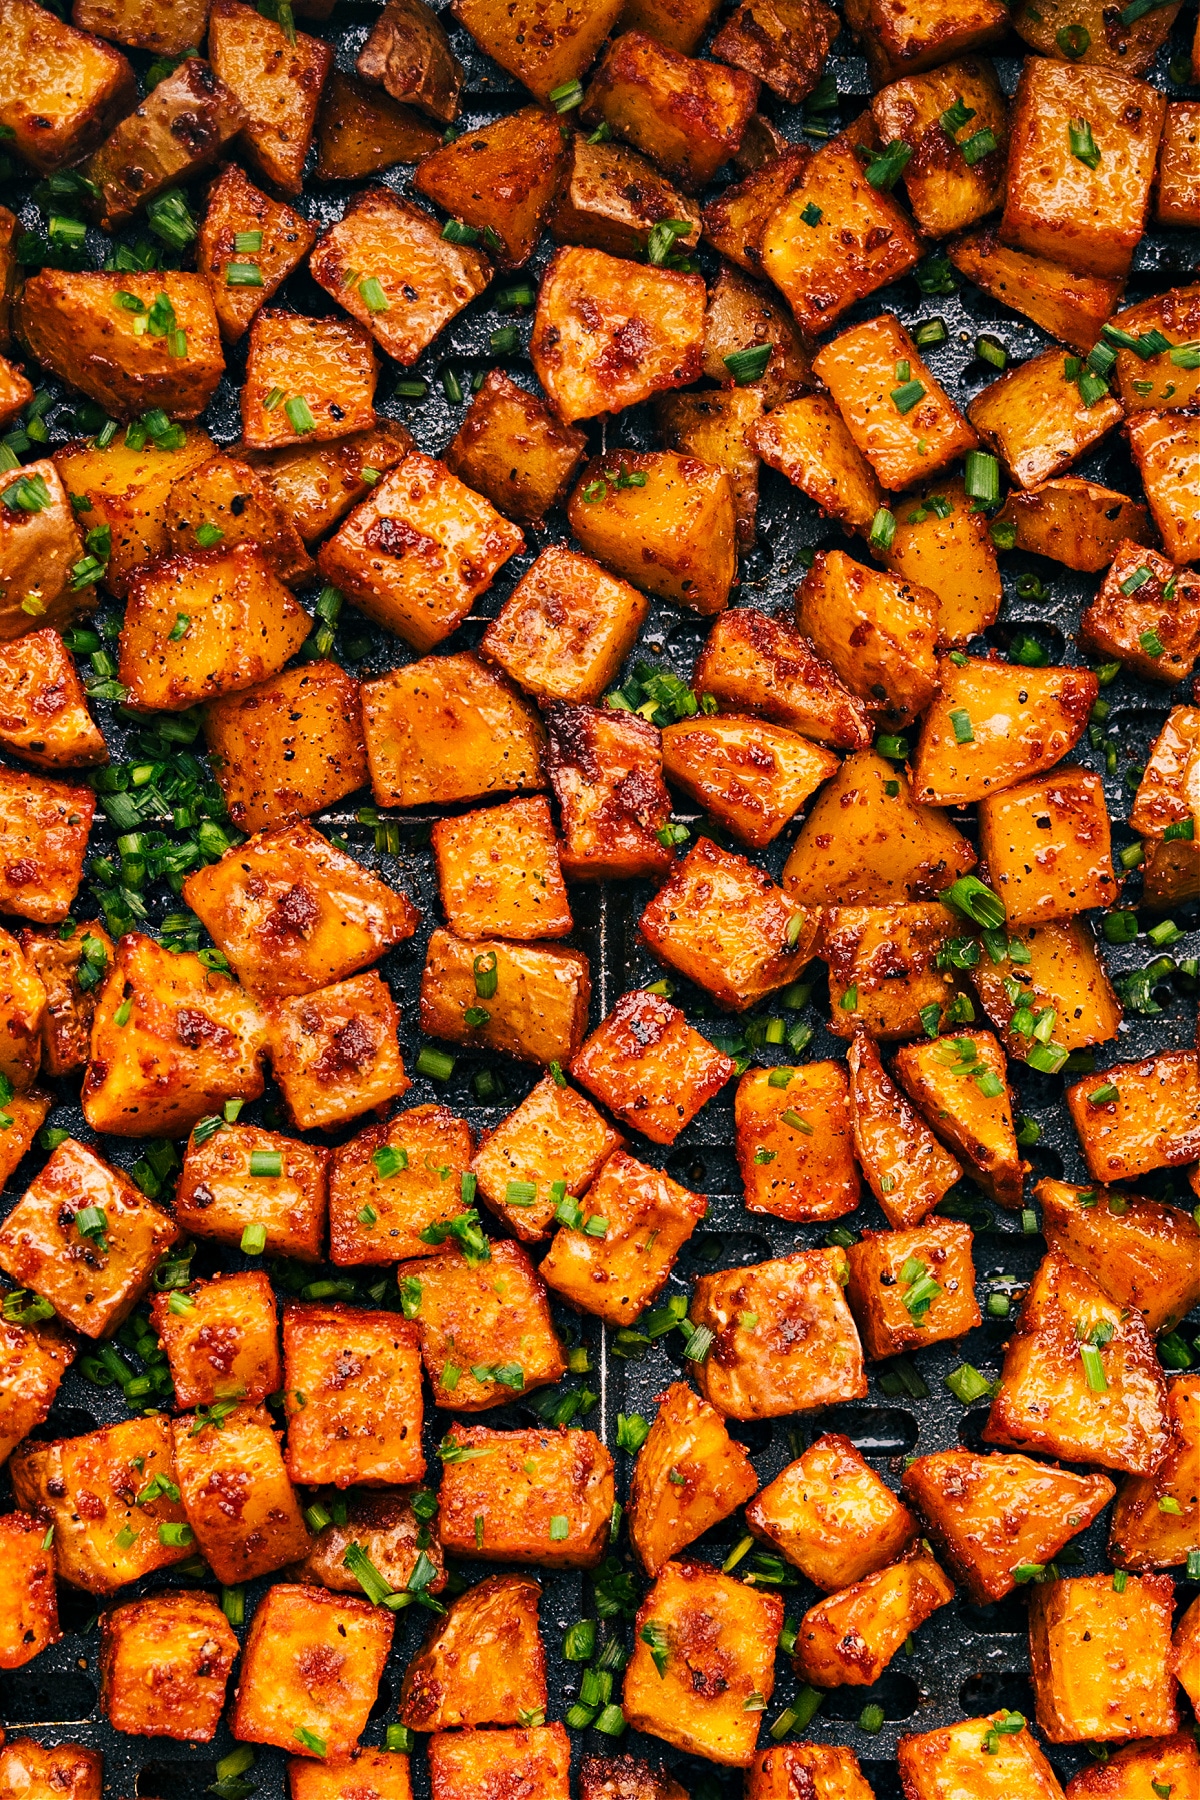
(33, 1361)
(686, 115)
(179, 129)
(605, 768)
(1155, 1520)
(808, 441)
(277, 75)
(229, 498)
(679, 23)
(831, 1515)
(1040, 878)
(127, 490)
(566, 628)
(713, 428)
(742, 316)
(793, 1140)
(483, 1664)
(143, 24)
(877, 631)
(1170, 1761)
(900, 39)
(1152, 382)
(1077, 522)
(1164, 797)
(218, 1196)
(850, 1638)
(735, 220)
(610, 198)
(540, 1011)
(30, 1620)
(544, 43)
(625, 1778)
(22, 1010)
(44, 826)
(1165, 449)
(665, 522)
(16, 391)
(317, 484)
(449, 728)
(519, 1482)
(885, 967)
(1099, 1658)
(498, 872)
(1152, 1122)
(27, 1113)
(953, 1081)
(689, 1475)
(1128, 47)
(990, 1756)
(783, 42)
(942, 543)
(359, 1373)
(1142, 1252)
(315, 1657)
(221, 1338)
(1184, 1658)
(553, 1136)
(1036, 421)
(906, 1168)
(832, 1769)
(317, 374)
(38, 551)
(44, 716)
(618, 1253)
(1021, 721)
(956, 175)
(534, 1761)
(334, 1053)
(361, 131)
(754, 662)
(1146, 615)
(906, 428)
(912, 1287)
(61, 90)
(494, 1307)
(236, 1493)
(289, 748)
(649, 1067)
(408, 54)
(501, 180)
(1060, 968)
(392, 1182)
(1071, 307)
(164, 1662)
(750, 776)
(509, 448)
(386, 1527)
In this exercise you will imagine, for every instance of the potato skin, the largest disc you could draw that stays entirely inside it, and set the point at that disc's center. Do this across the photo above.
(688, 116)
(164, 1662)
(831, 1515)
(66, 1022)
(360, 1374)
(687, 1440)
(483, 1664)
(610, 198)
(1171, 867)
(625, 1778)
(782, 43)
(850, 1638)
(313, 1656)
(63, 89)
(278, 76)
(1142, 1252)
(409, 55)
(288, 748)
(44, 717)
(510, 449)
(543, 997)
(388, 1529)
(742, 316)
(649, 1067)
(179, 129)
(144, 25)
(1154, 1123)
(517, 1481)
(30, 1620)
(233, 497)
(362, 131)
(1100, 1658)
(735, 220)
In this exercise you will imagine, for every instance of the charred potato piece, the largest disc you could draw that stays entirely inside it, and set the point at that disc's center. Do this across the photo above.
(678, 23)
(313, 1656)
(1040, 878)
(605, 769)
(885, 968)
(1146, 615)
(164, 1662)
(1070, 306)
(956, 175)
(1171, 1759)
(536, 1760)
(541, 1007)
(610, 198)
(793, 1140)
(127, 489)
(511, 449)
(499, 874)
(1036, 421)
(686, 115)
(218, 1197)
(942, 543)
(38, 551)
(493, 1308)
(289, 748)
(501, 180)
(264, 1529)
(649, 1067)
(1153, 1121)
(334, 1053)
(61, 90)
(1021, 721)
(977, 1756)
(954, 1082)
(625, 1778)
(662, 521)
(45, 826)
(831, 1515)
(483, 1664)
(553, 1136)
(783, 42)
(317, 484)
(318, 375)
(221, 1338)
(44, 715)
(179, 129)
(761, 664)
(361, 131)
(907, 429)
(449, 728)
(1142, 1252)
(877, 631)
(566, 628)
(689, 1475)
(900, 40)
(750, 776)
(914, 1286)
(1076, 522)
(1154, 1523)
(394, 1181)
(237, 208)
(735, 221)
(741, 317)
(277, 76)
(519, 1483)
(1146, 379)
(1059, 967)
(808, 441)
(850, 1638)
(360, 1376)
(409, 54)
(1099, 1658)
(906, 1168)
(30, 1620)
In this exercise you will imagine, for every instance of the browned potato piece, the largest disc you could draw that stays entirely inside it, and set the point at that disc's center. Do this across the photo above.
(885, 970)
(143, 24)
(877, 631)
(469, 1310)
(690, 1474)
(1154, 383)
(1184, 1659)
(589, 307)
(277, 76)
(61, 90)
(72, 323)
(236, 206)
(27, 1114)
(483, 1664)
(313, 1656)
(424, 279)
(907, 429)
(618, 1255)
(518, 1482)
(802, 1350)
(947, 188)
(606, 771)
(566, 628)
(510, 448)
(359, 1374)
(499, 874)
(1035, 419)
(318, 370)
(741, 316)
(22, 1010)
(1170, 1761)
(663, 521)
(38, 551)
(783, 42)
(943, 544)
(361, 131)
(394, 1181)
(686, 115)
(1142, 1252)
(1155, 1520)
(1021, 721)
(750, 776)
(289, 748)
(221, 1338)
(1069, 306)
(1110, 1408)
(793, 1142)
(449, 728)
(761, 664)
(991, 1515)
(1108, 42)
(953, 1081)
(334, 1053)
(234, 1452)
(541, 1007)
(500, 179)
(30, 1621)
(902, 39)
(1146, 615)
(906, 1168)
(44, 826)
(164, 1662)
(535, 1761)
(218, 1197)
(1165, 448)
(610, 198)
(317, 484)
(1040, 878)
(719, 1639)
(734, 222)
(1099, 1658)
(544, 43)
(41, 995)
(409, 54)
(649, 1067)
(831, 1515)
(553, 1136)
(45, 718)
(714, 429)
(387, 1528)
(1061, 969)
(1058, 204)
(1077, 522)
(679, 23)
(808, 441)
(912, 1287)
(1171, 870)
(832, 1769)
(850, 1638)
(1153, 1122)
(231, 499)
(127, 490)
(978, 1756)
(179, 129)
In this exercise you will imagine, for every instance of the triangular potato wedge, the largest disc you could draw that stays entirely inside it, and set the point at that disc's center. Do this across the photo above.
(1020, 722)
(1142, 1252)
(959, 1084)
(906, 1168)
(689, 1475)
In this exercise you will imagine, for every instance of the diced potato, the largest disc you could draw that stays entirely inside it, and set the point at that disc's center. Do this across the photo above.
(679, 23)
(885, 967)
(499, 874)
(87, 1488)
(906, 1168)
(649, 1067)
(606, 771)
(1153, 382)
(239, 1501)
(1070, 306)
(500, 179)
(831, 1515)
(876, 631)
(29, 1623)
(1168, 1762)
(942, 543)
(1036, 421)
(686, 115)
(386, 1527)
(1184, 1658)
(1077, 522)
(334, 1053)
(832, 1769)
(754, 662)
(750, 776)
(511, 449)
(1146, 615)
(44, 826)
(1166, 449)
(63, 968)
(1110, 1409)
(849, 1639)
(26, 1113)
(218, 1197)
(946, 189)
(1091, 216)
(73, 323)
(231, 498)
(33, 1361)
(95, 1277)
(22, 1011)
(16, 391)
(317, 484)
(61, 90)
(483, 1664)
(633, 1222)
(802, 1350)
(906, 428)
(1099, 1658)
(1142, 1252)
(394, 1181)
(1061, 969)
(689, 1475)
(540, 1011)
(953, 1081)
(566, 628)
(318, 374)
(1155, 1520)
(359, 1373)
(903, 39)
(221, 1338)
(784, 43)
(1109, 42)
(277, 75)
(312, 1661)
(534, 1761)
(449, 728)
(144, 25)
(518, 1483)
(128, 491)
(719, 1637)
(741, 316)
(1153, 1123)
(611, 199)
(1168, 794)
(714, 428)
(8, 232)
(986, 1758)
(38, 550)
(44, 717)
(912, 1287)
(179, 129)
(416, 555)
(735, 221)
(361, 131)
(289, 748)
(793, 1141)
(1040, 877)
(164, 1662)
(1021, 722)
(858, 242)
(409, 54)
(808, 441)
(553, 1136)
(663, 521)
(495, 1308)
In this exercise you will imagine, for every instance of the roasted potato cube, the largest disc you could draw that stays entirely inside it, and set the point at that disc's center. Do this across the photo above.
(61, 90)
(735, 221)
(610, 198)
(38, 550)
(388, 1530)
(686, 115)
(359, 1373)
(221, 1338)
(1077, 522)
(808, 441)
(663, 521)
(492, 1307)
(1062, 970)
(393, 1181)
(323, 371)
(164, 1662)
(1099, 1658)
(1036, 421)
(26, 1114)
(219, 1197)
(1154, 1523)
(73, 323)
(988, 1756)
(904, 39)
(750, 776)
(1109, 1407)
(143, 25)
(1142, 1252)
(509, 448)
(1171, 869)
(553, 1136)
(289, 748)
(1170, 1761)
(232, 499)
(956, 176)
(1184, 1659)
(45, 718)
(1021, 721)
(618, 1255)
(58, 1772)
(334, 1053)
(544, 43)
(679, 23)
(44, 825)
(33, 1361)
(519, 1483)
(236, 1493)
(802, 1342)
(316, 485)
(22, 1011)
(88, 1488)
(649, 1067)
(907, 429)
(534, 1761)
(1070, 306)
(850, 1638)
(449, 728)
(606, 771)
(859, 241)
(743, 316)
(1153, 1122)
(312, 1664)
(793, 1140)
(498, 872)
(361, 131)
(409, 54)
(713, 429)
(1042, 877)
(625, 1778)
(1146, 380)
(876, 631)
(690, 1474)
(784, 43)
(482, 1664)
(761, 664)
(127, 490)
(885, 967)
(1146, 615)
(833, 1771)
(566, 628)
(1111, 43)
(277, 76)
(540, 1011)
(179, 129)
(831, 1515)
(913, 1286)
(500, 179)
(1089, 213)
(723, 923)
(1165, 449)
(906, 1168)
(718, 1636)
(953, 1081)
(29, 1623)
(16, 391)
(943, 544)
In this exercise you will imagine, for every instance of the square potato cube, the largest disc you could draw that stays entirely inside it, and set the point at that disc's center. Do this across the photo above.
(221, 1338)
(1172, 1761)
(409, 53)
(482, 1664)
(956, 177)
(501, 179)
(386, 1527)
(611, 199)
(499, 874)
(378, 1775)
(1142, 1252)
(1048, 848)
(326, 368)
(1090, 215)
(89, 1487)
(976, 1757)
(943, 544)
(45, 826)
(906, 1168)
(912, 1287)
(553, 1136)
(719, 1639)
(1021, 721)
(1177, 188)
(128, 490)
(850, 1638)
(566, 628)
(649, 1067)
(164, 1662)
(1066, 972)
(1156, 1518)
(906, 425)
(519, 1483)
(751, 777)
(58, 1772)
(234, 499)
(690, 1474)
(1152, 1123)
(93, 1277)
(29, 1623)
(394, 1181)
(1100, 1658)
(540, 1011)
(33, 1361)
(38, 550)
(23, 1006)
(1035, 419)
(235, 205)
(903, 39)
(960, 1083)
(277, 74)
(315, 485)
(1076, 522)
(1146, 615)
(1171, 869)
(291, 747)
(62, 967)
(784, 44)
(833, 1771)
(878, 632)
(808, 441)
(219, 1195)
(179, 129)
(62, 90)
(535, 1761)
(449, 728)
(1070, 306)
(485, 1327)
(1166, 449)
(686, 115)
(416, 555)
(714, 429)
(591, 308)
(672, 532)
(360, 1375)
(794, 1145)
(236, 1493)
(800, 1352)
(334, 1053)
(884, 967)
(312, 1663)
(510, 448)
(831, 1515)
(605, 768)
(46, 720)
(1110, 1408)
(633, 1224)
(743, 316)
